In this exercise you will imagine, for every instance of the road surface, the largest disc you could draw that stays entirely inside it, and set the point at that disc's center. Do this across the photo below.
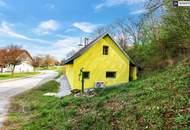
(12, 88)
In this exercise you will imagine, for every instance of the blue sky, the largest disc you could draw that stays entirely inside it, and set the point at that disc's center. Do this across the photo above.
(56, 26)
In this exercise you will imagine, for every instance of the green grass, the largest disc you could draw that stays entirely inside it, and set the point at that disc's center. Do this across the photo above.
(31, 105)
(160, 100)
(16, 75)
(59, 69)
(55, 68)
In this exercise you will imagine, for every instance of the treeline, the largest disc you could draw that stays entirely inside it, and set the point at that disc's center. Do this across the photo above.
(161, 36)
(45, 61)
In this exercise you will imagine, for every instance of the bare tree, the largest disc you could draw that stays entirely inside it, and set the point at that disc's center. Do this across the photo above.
(49, 60)
(36, 62)
(121, 31)
(128, 31)
(103, 29)
(153, 5)
(124, 30)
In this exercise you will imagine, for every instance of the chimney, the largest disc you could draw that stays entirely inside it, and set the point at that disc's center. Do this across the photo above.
(86, 41)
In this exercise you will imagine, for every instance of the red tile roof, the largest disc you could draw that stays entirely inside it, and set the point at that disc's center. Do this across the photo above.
(3, 51)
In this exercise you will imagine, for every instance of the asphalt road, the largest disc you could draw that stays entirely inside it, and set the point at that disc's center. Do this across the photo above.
(12, 88)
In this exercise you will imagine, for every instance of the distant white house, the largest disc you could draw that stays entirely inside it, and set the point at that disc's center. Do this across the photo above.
(25, 66)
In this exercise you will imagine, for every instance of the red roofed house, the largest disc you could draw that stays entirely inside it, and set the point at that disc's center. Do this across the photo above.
(25, 66)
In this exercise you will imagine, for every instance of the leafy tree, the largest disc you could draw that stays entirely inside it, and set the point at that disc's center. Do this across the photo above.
(13, 56)
(176, 28)
(2, 59)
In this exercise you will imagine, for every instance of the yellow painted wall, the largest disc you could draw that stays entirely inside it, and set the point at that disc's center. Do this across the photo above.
(97, 64)
(69, 73)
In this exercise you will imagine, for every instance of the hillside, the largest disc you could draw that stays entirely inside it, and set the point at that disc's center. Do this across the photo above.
(160, 100)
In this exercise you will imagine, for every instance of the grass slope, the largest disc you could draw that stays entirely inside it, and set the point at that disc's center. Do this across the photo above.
(160, 100)
(17, 75)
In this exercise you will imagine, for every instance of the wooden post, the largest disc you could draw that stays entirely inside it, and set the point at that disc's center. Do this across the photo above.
(82, 79)
(82, 82)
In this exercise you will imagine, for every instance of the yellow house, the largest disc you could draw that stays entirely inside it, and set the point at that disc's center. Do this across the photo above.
(103, 63)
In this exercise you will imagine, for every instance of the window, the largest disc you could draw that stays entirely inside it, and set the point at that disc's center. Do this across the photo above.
(105, 50)
(86, 75)
(110, 74)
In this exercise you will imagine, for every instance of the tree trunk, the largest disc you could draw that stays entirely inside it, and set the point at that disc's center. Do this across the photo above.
(1, 69)
(13, 69)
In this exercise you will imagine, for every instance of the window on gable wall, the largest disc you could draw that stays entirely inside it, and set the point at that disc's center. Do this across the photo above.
(105, 50)
(110, 74)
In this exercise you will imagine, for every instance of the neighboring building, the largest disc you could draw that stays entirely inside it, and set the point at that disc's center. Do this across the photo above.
(103, 63)
(25, 66)
(2, 64)
(1, 67)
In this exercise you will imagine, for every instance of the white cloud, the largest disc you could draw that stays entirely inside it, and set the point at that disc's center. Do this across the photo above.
(140, 11)
(62, 47)
(6, 30)
(67, 41)
(50, 6)
(59, 48)
(60, 35)
(85, 26)
(47, 27)
(3, 3)
(110, 3)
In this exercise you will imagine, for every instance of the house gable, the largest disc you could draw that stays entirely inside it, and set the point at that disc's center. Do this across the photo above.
(84, 49)
(96, 50)
(26, 57)
(93, 61)
(94, 53)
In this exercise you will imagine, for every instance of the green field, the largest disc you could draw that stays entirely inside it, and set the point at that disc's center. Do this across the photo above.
(55, 68)
(160, 100)
(16, 75)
